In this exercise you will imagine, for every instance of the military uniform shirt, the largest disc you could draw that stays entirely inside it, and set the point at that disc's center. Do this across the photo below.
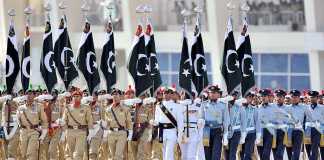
(122, 114)
(35, 115)
(81, 114)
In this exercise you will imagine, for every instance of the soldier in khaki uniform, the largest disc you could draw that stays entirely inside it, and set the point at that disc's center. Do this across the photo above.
(98, 124)
(54, 113)
(142, 136)
(118, 120)
(156, 145)
(10, 125)
(77, 119)
(31, 116)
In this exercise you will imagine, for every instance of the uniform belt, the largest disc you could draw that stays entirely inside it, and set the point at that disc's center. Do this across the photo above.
(250, 129)
(140, 125)
(166, 126)
(78, 127)
(213, 124)
(30, 127)
(236, 127)
(116, 129)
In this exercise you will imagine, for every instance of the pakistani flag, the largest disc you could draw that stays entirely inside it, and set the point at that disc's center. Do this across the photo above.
(245, 56)
(47, 65)
(87, 59)
(199, 68)
(230, 66)
(138, 65)
(154, 64)
(25, 60)
(64, 58)
(12, 59)
(185, 73)
(108, 61)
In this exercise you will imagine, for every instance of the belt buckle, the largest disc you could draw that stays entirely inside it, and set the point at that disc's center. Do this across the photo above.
(75, 127)
(165, 125)
(115, 129)
(210, 125)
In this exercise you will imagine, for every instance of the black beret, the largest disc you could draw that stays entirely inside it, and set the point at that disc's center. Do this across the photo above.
(313, 93)
(280, 92)
(295, 92)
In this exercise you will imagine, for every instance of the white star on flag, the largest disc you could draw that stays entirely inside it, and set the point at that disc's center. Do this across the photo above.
(204, 67)
(147, 67)
(237, 64)
(186, 72)
(251, 68)
(156, 66)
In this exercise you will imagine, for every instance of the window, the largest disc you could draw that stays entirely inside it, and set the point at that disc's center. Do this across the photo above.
(286, 71)
(173, 20)
(169, 68)
(287, 14)
(99, 14)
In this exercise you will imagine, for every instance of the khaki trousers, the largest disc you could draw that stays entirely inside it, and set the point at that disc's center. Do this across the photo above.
(29, 144)
(76, 144)
(116, 143)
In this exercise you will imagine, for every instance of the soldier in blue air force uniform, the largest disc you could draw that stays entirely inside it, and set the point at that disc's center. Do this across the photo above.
(237, 127)
(216, 118)
(315, 125)
(298, 113)
(253, 128)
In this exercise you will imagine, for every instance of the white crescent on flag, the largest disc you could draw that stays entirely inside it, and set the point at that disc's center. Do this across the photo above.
(140, 56)
(195, 64)
(24, 66)
(47, 61)
(229, 52)
(108, 62)
(246, 56)
(88, 62)
(63, 54)
(11, 66)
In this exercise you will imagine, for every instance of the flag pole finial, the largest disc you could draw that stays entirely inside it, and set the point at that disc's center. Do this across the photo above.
(47, 8)
(85, 8)
(148, 10)
(28, 11)
(230, 7)
(12, 14)
(140, 10)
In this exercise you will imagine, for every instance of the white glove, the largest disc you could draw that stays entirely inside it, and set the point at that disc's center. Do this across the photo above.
(258, 138)
(180, 134)
(130, 135)
(225, 140)
(186, 102)
(62, 138)
(60, 122)
(43, 135)
(243, 136)
(200, 123)
(6, 133)
(103, 124)
(5, 98)
(226, 99)
(149, 100)
(92, 133)
(105, 136)
(149, 139)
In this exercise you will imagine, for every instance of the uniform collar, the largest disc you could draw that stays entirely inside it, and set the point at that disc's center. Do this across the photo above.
(314, 105)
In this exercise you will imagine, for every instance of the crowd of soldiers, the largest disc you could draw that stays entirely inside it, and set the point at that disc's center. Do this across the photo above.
(118, 125)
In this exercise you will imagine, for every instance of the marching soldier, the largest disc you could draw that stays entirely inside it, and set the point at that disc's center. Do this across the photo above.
(266, 111)
(298, 114)
(54, 113)
(78, 122)
(33, 123)
(237, 127)
(193, 130)
(118, 120)
(169, 118)
(156, 145)
(98, 125)
(9, 123)
(217, 120)
(281, 125)
(142, 127)
(314, 123)
(253, 127)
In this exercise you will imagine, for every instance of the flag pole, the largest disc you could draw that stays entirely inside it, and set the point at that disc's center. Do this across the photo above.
(62, 7)
(198, 10)
(12, 14)
(186, 13)
(48, 9)
(148, 9)
(85, 9)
